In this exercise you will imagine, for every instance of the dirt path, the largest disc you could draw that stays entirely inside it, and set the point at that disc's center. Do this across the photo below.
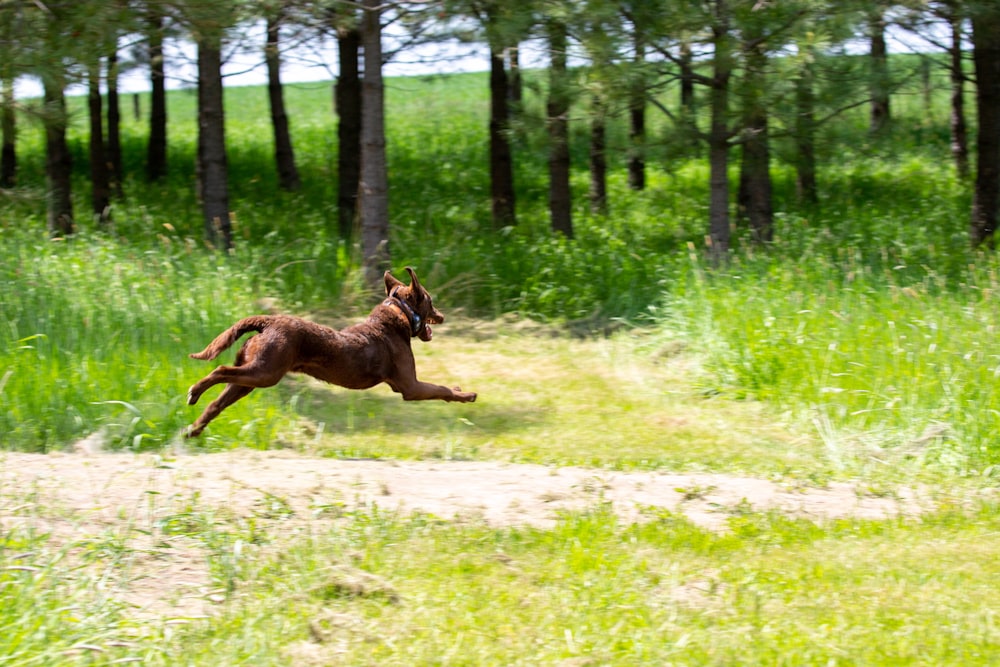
(107, 485)
(81, 500)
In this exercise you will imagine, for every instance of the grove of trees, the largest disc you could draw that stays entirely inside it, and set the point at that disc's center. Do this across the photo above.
(724, 77)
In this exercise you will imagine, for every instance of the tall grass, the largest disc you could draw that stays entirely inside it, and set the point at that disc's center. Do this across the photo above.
(51, 612)
(867, 319)
(870, 320)
(882, 371)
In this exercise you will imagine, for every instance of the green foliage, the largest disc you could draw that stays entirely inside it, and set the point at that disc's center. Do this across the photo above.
(100, 325)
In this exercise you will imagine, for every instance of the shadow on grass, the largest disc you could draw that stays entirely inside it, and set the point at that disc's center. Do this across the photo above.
(379, 410)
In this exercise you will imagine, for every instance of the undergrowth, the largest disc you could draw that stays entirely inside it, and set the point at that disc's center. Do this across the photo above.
(868, 320)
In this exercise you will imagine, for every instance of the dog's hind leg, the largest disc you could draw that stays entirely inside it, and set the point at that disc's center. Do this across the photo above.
(229, 395)
(251, 375)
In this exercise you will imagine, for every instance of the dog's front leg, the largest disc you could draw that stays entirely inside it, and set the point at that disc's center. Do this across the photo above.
(415, 390)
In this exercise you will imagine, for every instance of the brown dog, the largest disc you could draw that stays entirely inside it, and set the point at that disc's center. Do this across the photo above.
(359, 357)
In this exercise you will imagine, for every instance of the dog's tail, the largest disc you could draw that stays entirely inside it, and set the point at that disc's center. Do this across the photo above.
(225, 339)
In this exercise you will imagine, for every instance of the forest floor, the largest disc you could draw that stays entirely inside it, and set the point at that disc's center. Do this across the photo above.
(137, 506)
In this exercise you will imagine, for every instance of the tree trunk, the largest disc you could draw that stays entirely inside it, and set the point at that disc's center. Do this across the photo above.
(284, 155)
(718, 140)
(687, 79)
(156, 150)
(8, 128)
(754, 197)
(959, 131)
(927, 89)
(515, 86)
(598, 159)
(58, 162)
(637, 118)
(805, 136)
(374, 186)
(348, 101)
(557, 110)
(501, 161)
(213, 166)
(114, 146)
(986, 54)
(879, 82)
(100, 191)
(688, 111)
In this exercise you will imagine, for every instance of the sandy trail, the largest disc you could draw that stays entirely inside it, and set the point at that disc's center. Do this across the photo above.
(78, 499)
(104, 486)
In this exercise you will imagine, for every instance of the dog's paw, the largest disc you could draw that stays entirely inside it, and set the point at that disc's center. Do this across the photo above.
(465, 396)
(192, 397)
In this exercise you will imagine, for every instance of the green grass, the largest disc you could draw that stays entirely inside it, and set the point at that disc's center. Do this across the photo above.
(773, 591)
(102, 324)
(629, 402)
(51, 612)
(378, 588)
(857, 347)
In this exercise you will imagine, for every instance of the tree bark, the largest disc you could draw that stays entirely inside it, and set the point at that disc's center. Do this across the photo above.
(636, 160)
(284, 155)
(58, 162)
(8, 128)
(879, 82)
(805, 136)
(959, 130)
(557, 111)
(687, 79)
(100, 191)
(986, 55)
(114, 144)
(156, 149)
(718, 140)
(213, 164)
(516, 86)
(598, 158)
(348, 102)
(755, 193)
(374, 186)
(688, 111)
(501, 160)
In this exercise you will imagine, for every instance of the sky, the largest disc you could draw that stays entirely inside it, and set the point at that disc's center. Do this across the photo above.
(317, 61)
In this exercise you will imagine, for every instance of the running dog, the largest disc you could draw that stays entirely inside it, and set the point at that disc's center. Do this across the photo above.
(358, 357)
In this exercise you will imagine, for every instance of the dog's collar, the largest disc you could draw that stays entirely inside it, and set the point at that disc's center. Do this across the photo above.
(416, 322)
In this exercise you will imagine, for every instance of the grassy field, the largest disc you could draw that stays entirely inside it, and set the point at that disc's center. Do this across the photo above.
(860, 347)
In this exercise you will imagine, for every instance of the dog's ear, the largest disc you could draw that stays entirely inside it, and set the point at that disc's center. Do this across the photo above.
(391, 283)
(414, 283)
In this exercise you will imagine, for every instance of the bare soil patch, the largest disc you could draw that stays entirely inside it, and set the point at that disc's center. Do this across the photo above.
(78, 498)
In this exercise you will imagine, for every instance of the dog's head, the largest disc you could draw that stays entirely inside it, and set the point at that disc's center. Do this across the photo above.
(415, 299)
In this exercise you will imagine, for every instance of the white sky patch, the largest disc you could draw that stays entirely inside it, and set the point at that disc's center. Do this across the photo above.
(315, 60)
